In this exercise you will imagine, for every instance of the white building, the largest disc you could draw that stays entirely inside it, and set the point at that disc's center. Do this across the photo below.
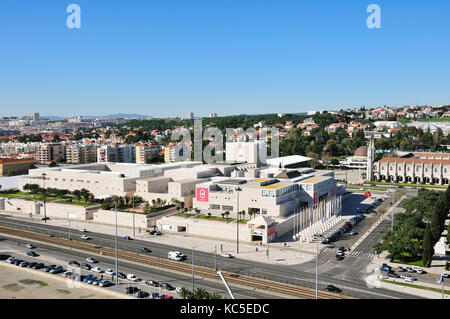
(254, 152)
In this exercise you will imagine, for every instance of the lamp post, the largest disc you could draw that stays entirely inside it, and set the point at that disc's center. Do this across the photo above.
(393, 202)
(134, 229)
(237, 189)
(45, 206)
(117, 250)
(317, 270)
(193, 268)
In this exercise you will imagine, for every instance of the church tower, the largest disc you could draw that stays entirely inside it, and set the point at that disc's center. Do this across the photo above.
(370, 160)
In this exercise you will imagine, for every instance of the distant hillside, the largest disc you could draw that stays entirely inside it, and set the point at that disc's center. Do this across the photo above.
(112, 116)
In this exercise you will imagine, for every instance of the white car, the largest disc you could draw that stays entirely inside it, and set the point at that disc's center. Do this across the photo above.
(133, 277)
(178, 289)
(91, 260)
(85, 237)
(83, 230)
(30, 246)
(175, 255)
(445, 274)
(11, 260)
(419, 270)
(226, 255)
(97, 269)
(109, 272)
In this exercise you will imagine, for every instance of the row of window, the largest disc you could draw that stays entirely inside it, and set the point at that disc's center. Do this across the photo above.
(418, 168)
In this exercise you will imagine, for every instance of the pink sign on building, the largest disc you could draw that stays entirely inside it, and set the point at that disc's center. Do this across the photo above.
(202, 194)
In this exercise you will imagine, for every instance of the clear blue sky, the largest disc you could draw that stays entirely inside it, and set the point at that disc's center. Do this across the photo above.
(168, 57)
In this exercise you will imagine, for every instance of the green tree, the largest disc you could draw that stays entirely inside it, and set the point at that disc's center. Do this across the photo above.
(428, 247)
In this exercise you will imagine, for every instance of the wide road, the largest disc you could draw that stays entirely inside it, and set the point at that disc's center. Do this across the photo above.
(301, 275)
(49, 254)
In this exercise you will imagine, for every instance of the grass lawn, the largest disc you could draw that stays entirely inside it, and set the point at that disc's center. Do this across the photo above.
(215, 218)
(434, 119)
(185, 215)
(447, 292)
(74, 202)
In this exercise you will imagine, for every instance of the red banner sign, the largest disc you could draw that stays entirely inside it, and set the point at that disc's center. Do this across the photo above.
(202, 194)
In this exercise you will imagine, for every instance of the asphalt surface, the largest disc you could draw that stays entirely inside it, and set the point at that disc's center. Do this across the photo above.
(351, 280)
(50, 254)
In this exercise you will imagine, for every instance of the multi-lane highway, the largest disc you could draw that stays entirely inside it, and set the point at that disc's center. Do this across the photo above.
(353, 283)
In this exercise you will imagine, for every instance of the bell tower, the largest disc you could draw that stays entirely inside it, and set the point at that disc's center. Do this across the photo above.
(370, 160)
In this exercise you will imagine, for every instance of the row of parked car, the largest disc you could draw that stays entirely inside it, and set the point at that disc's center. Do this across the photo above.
(346, 228)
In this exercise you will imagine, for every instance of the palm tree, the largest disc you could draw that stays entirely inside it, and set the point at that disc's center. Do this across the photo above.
(185, 293)
(214, 296)
(223, 215)
(227, 214)
(209, 215)
(200, 293)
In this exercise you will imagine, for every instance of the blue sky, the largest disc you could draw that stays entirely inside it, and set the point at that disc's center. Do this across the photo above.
(168, 57)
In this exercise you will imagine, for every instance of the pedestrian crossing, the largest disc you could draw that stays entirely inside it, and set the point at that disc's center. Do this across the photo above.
(331, 252)
(362, 254)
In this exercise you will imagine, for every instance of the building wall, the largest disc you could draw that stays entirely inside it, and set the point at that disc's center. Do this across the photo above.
(15, 168)
(413, 172)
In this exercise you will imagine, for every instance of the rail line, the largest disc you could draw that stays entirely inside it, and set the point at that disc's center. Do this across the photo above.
(244, 280)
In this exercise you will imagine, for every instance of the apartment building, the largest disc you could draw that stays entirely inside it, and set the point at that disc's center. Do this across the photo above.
(116, 153)
(50, 152)
(81, 154)
(145, 153)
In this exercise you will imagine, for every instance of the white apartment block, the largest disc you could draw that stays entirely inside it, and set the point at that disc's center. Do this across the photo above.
(145, 153)
(254, 152)
(81, 154)
(116, 153)
(50, 152)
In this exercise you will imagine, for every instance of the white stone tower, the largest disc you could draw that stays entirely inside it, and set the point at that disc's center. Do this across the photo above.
(370, 160)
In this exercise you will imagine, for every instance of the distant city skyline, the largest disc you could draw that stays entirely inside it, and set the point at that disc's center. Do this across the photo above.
(164, 59)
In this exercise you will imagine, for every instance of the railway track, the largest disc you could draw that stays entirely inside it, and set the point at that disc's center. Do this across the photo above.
(256, 283)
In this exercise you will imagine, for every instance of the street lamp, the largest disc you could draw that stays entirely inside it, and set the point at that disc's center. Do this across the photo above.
(193, 268)
(317, 270)
(117, 250)
(237, 189)
(134, 229)
(45, 206)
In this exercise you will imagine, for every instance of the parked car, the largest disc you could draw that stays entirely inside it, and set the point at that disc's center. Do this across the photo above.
(342, 248)
(67, 274)
(132, 277)
(48, 268)
(32, 264)
(11, 260)
(157, 233)
(401, 269)
(445, 274)
(420, 270)
(57, 270)
(86, 266)
(339, 257)
(410, 269)
(18, 262)
(30, 246)
(142, 294)
(74, 263)
(105, 283)
(385, 269)
(131, 290)
(326, 241)
(393, 275)
(121, 275)
(340, 253)
(152, 283)
(97, 269)
(154, 295)
(167, 286)
(91, 260)
(87, 277)
(333, 288)
(24, 264)
(4, 256)
(110, 272)
(91, 280)
(178, 289)
(38, 266)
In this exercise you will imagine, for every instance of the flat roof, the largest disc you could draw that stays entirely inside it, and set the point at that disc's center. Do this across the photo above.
(315, 179)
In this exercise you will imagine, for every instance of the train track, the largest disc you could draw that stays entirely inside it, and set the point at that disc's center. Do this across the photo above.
(248, 281)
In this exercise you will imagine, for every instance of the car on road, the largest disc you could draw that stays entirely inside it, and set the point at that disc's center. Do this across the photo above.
(127, 237)
(74, 263)
(86, 266)
(83, 230)
(92, 260)
(176, 255)
(142, 294)
(39, 266)
(110, 272)
(24, 264)
(97, 269)
(145, 250)
(131, 290)
(354, 233)
(152, 283)
(333, 288)
(85, 237)
(167, 286)
(30, 246)
(227, 255)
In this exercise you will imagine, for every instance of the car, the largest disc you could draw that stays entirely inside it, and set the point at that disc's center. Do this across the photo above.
(340, 253)
(393, 275)
(179, 289)
(227, 255)
(131, 290)
(110, 272)
(354, 233)
(32, 264)
(420, 270)
(74, 263)
(92, 260)
(87, 277)
(96, 282)
(385, 269)
(410, 269)
(39, 266)
(105, 283)
(18, 262)
(132, 277)
(151, 232)
(339, 257)
(445, 274)
(406, 276)
(154, 295)
(49, 267)
(24, 264)
(67, 274)
(97, 269)
(4, 256)
(142, 294)
(85, 237)
(333, 288)
(167, 286)
(145, 250)
(11, 260)
(30, 246)
(401, 269)
(121, 275)
(127, 237)
(176, 255)
(57, 270)
(152, 283)
(83, 230)
(91, 280)
(86, 266)
(326, 241)
(342, 248)
(157, 233)
(169, 297)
